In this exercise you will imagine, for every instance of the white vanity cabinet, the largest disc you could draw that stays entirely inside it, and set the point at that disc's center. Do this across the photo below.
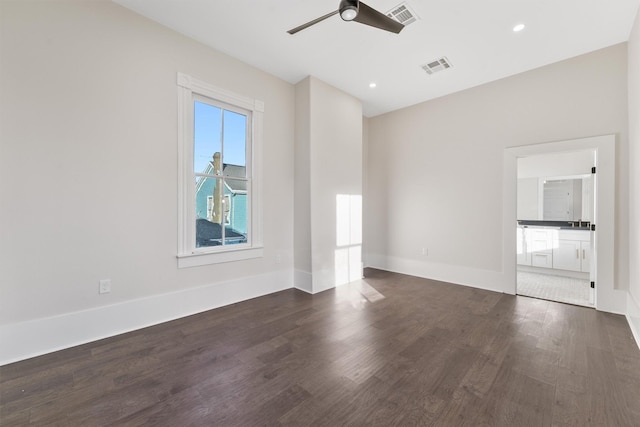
(572, 250)
(535, 246)
(523, 255)
(585, 251)
(541, 247)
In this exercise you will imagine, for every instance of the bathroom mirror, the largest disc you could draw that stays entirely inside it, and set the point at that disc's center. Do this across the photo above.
(562, 200)
(556, 198)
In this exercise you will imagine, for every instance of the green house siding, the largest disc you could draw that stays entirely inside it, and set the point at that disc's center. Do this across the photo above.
(238, 214)
(204, 188)
(238, 208)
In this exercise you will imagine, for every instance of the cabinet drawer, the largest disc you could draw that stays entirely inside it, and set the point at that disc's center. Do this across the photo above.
(581, 235)
(542, 259)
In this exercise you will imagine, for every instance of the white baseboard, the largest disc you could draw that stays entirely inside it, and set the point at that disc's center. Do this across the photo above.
(303, 280)
(40, 336)
(610, 300)
(313, 283)
(473, 277)
(633, 317)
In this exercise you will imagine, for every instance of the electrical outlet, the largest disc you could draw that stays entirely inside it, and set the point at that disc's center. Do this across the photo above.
(105, 286)
(425, 251)
(278, 258)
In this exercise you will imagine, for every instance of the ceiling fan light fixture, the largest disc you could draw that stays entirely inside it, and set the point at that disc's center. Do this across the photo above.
(348, 10)
(357, 11)
(348, 14)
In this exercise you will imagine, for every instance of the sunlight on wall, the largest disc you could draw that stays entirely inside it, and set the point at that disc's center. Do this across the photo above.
(348, 254)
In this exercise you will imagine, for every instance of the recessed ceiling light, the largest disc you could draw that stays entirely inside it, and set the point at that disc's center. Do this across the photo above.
(518, 27)
(372, 85)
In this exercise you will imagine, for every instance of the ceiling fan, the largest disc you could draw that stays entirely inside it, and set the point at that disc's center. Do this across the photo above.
(354, 10)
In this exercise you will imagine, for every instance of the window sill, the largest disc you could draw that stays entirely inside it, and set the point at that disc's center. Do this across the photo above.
(206, 258)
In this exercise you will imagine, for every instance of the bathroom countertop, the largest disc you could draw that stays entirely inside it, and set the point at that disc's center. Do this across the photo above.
(565, 225)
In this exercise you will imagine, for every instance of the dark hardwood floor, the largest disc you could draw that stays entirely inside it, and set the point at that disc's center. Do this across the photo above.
(390, 350)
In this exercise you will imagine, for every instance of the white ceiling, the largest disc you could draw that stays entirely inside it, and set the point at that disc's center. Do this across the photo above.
(476, 36)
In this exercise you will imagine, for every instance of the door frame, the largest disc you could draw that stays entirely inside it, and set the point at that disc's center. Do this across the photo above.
(608, 298)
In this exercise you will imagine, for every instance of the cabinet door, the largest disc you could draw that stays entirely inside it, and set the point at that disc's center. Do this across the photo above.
(523, 255)
(585, 254)
(567, 255)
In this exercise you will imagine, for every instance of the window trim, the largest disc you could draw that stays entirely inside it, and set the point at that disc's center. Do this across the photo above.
(188, 255)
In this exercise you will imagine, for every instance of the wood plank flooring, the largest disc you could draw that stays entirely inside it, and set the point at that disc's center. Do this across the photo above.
(389, 350)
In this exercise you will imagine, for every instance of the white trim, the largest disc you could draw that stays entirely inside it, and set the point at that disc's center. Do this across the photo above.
(229, 255)
(40, 336)
(323, 280)
(193, 85)
(455, 274)
(303, 280)
(185, 156)
(608, 297)
(188, 87)
(633, 317)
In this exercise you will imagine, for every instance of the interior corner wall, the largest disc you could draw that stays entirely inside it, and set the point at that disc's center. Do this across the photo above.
(366, 226)
(435, 200)
(333, 142)
(302, 185)
(633, 310)
(88, 176)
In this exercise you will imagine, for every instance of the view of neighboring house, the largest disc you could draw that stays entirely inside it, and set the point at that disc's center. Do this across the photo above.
(233, 206)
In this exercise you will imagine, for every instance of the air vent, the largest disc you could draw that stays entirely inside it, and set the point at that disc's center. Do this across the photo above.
(403, 14)
(436, 65)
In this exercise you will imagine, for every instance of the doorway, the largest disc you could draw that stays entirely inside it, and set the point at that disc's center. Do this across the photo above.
(606, 296)
(555, 210)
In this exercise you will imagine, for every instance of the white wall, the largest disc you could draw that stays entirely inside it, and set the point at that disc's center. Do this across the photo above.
(302, 184)
(334, 167)
(366, 182)
(556, 164)
(634, 178)
(528, 198)
(438, 180)
(88, 175)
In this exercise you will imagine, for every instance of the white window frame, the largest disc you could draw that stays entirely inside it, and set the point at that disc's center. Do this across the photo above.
(189, 89)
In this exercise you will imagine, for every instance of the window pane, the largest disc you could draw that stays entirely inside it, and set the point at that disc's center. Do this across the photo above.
(235, 143)
(206, 136)
(209, 211)
(235, 211)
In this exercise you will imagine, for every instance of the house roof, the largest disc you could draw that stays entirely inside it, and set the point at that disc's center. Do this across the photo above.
(208, 232)
(235, 171)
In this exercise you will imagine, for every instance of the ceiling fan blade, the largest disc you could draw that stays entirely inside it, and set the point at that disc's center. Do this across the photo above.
(310, 23)
(369, 16)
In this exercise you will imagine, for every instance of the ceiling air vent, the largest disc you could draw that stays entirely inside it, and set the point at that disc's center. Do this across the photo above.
(436, 65)
(403, 14)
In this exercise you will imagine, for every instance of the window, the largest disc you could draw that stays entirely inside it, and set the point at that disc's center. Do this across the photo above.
(219, 135)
